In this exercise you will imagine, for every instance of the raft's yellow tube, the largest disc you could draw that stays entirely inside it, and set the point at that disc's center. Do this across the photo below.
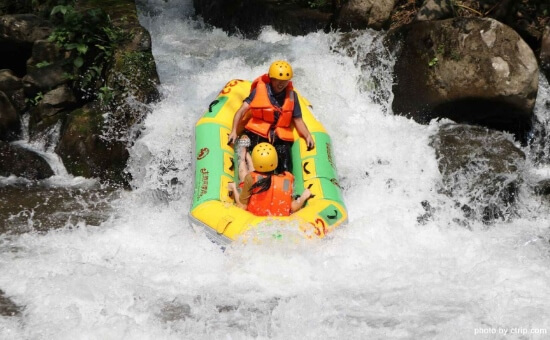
(215, 166)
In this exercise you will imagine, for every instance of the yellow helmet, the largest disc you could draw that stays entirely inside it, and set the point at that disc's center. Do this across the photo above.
(281, 70)
(264, 157)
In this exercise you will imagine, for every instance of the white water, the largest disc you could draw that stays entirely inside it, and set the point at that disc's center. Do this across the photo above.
(144, 274)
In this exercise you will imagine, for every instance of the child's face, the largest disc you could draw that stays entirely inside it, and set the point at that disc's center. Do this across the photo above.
(278, 85)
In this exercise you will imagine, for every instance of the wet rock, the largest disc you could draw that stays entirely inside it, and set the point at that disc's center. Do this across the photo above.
(86, 152)
(545, 52)
(22, 163)
(10, 125)
(470, 70)
(46, 51)
(51, 109)
(435, 10)
(59, 99)
(361, 14)
(27, 207)
(9, 81)
(542, 188)
(23, 28)
(133, 73)
(481, 169)
(47, 68)
(7, 306)
(13, 87)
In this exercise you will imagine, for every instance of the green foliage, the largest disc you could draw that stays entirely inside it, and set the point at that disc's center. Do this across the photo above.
(43, 64)
(105, 95)
(318, 3)
(37, 98)
(433, 62)
(92, 39)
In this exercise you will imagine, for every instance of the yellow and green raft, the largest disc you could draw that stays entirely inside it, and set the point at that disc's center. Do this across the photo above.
(216, 165)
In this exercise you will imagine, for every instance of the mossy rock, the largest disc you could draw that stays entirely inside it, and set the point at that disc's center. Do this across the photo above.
(84, 150)
(133, 70)
(134, 74)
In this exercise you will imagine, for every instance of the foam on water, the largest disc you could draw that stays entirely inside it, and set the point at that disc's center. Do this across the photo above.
(144, 274)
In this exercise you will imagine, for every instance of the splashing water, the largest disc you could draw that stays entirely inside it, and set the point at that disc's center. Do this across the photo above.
(143, 273)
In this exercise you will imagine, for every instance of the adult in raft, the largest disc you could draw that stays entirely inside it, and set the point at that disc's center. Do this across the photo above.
(265, 193)
(273, 106)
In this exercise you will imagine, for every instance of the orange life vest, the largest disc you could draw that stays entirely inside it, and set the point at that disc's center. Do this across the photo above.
(263, 111)
(276, 200)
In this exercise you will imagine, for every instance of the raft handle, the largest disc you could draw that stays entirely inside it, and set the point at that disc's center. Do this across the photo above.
(212, 105)
(223, 224)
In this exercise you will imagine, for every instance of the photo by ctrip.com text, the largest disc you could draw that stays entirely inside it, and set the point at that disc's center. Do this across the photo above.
(511, 331)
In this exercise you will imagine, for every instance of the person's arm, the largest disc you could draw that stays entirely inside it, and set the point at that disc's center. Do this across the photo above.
(233, 188)
(236, 120)
(245, 192)
(304, 132)
(298, 203)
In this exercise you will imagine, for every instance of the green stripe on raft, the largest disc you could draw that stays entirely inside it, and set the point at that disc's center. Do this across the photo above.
(317, 167)
(209, 163)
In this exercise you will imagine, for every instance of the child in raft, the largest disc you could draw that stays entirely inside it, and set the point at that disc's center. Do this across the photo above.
(265, 193)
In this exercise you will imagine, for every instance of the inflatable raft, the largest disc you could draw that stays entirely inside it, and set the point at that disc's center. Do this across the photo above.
(216, 165)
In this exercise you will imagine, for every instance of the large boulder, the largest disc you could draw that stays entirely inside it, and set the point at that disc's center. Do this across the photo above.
(545, 53)
(23, 28)
(84, 149)
(7, 306)
(22, 163)
(9, 82)
(481, 170)
(12, 103)
(10, 125)
(51, 109)
(47, 68)
(60, 98)
(469, 70)
(361, 14)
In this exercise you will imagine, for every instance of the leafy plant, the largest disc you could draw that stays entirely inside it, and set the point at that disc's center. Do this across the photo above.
(105, 95)
(37, 98)
(92, 39)
(43, 64)
(433, 62)
(319, 4)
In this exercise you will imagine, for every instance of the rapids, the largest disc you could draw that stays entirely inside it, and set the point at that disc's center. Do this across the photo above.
(126, 264)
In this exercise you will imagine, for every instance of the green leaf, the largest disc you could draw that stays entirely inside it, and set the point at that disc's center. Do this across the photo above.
(59, 9)
(43, 64)
(433, 62)
(78, 62)
(82, 48)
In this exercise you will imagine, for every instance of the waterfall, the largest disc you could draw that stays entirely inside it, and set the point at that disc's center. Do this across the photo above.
(390, 273)
(44, 145)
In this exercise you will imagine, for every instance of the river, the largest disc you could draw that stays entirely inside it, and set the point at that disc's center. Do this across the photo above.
(82, 261)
